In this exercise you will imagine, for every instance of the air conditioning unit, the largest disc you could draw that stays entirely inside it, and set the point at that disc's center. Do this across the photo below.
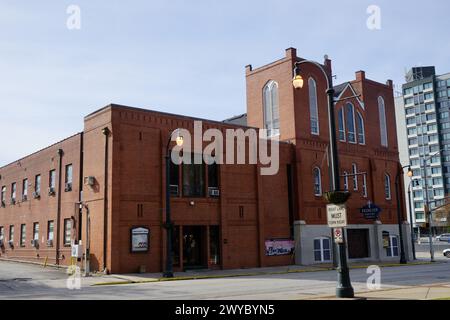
(11, 243)
(68, 187)
(214, 192)
(50, 243)
(36, 195)
(173, 190)
(51, 191)
(89, 181)
(13, 201)
(35, 243)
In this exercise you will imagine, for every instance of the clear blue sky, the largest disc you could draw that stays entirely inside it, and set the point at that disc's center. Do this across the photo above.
(188, 57)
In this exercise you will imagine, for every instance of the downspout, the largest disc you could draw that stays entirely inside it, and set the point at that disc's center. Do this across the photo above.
(58, 213)
(106, 132)
(80, 194)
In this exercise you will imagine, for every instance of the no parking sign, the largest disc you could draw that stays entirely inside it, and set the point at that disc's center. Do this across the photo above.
(338, 235)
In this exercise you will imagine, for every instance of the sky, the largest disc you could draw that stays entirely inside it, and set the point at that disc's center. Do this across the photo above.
(188, 57)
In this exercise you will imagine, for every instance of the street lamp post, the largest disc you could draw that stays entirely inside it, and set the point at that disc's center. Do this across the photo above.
(399, 214)
(428, 212)
(344, 287)
(168, 272)
(413, 244)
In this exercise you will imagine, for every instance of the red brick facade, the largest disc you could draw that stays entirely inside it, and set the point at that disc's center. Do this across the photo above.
(128, 158)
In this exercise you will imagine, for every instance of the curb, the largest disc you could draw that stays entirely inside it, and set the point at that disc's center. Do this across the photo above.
(49, 265)
(202, 277)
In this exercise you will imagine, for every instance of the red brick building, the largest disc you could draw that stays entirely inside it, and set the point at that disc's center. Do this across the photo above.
(225, 215)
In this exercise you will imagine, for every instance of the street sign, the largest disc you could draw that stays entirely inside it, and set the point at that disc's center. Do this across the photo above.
(338, 235)
(371, 211)
(337, 215)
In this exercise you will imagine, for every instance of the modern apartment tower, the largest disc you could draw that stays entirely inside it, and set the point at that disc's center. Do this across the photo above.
(426, 102)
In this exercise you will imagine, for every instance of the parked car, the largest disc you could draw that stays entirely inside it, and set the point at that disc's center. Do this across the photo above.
(446, 253)
(443, 237)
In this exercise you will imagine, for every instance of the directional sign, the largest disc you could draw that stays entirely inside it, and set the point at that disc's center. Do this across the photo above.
(337, 215)
(371, 211)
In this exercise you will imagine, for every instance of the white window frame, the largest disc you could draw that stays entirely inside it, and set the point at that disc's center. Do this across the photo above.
(36, 231)
(355, 177)
(364, 186)
(272, 125)
(341, 116)
(360, 128)
(387, 187)
(390, 249)
(345, 181)
(317, 174)
(313, 105)
(354, 124)
(383, 126)
(322, 250)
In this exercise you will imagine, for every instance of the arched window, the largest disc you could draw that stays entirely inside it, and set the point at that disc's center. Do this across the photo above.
(341, 123)
(322, 249)
(387, 186)
(355, 177)
(350, 117)
(382, 115)
(360, 127)
(313, 109)
(271, 109)
(317, 182)
(345, 181)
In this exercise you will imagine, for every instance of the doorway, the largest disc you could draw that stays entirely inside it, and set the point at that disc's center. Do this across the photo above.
(194, 247)
(358, 243)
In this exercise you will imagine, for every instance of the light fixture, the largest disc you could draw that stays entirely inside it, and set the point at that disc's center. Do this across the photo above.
(410, 172)
(298, 82)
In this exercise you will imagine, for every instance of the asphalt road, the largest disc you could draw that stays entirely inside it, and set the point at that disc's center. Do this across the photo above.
(22, 281)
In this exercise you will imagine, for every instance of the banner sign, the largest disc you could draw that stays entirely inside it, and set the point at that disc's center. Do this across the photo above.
(140, 239)
(279, 247)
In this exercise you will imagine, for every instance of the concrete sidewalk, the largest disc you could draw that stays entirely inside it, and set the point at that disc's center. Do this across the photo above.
(426, 292)
(117, 279)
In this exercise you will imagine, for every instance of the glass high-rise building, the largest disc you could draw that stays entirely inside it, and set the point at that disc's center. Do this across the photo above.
(426, 102)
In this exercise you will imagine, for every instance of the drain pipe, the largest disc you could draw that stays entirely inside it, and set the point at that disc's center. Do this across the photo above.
(106, 132)
(58, 213)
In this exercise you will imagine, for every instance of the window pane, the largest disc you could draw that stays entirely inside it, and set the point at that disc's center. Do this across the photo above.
(382, 116)
(341, 124)
(316, 244)
(326, 255)
(350, 117)
(193, 180)
(213, 176)
(317, 255)
(313, 109)
(326, 244)
(67, 231)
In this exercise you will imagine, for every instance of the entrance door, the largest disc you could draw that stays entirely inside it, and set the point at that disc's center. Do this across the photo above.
(358, 243)
(194, 247)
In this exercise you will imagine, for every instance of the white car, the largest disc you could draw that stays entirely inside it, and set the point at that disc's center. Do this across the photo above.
(444, 237)
(446, 253)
